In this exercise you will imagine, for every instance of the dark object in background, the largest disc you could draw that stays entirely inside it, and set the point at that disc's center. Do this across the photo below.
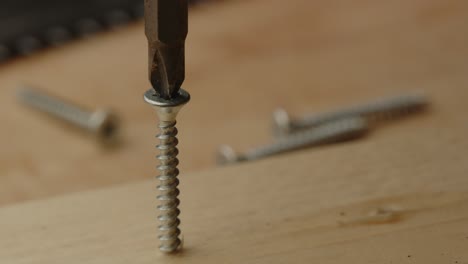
(29, 25)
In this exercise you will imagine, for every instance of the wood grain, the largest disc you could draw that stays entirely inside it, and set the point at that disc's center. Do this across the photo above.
(398, 196)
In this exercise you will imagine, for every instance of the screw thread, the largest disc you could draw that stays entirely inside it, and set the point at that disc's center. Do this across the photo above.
(168, 192)
(55, 107)
(377, 111)
(334, 131)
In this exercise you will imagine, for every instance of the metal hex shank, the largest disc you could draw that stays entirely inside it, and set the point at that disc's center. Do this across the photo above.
(166, 28)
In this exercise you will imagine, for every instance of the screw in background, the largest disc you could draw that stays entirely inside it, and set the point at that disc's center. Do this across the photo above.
(167, 111)
(332, 132)
(373, 112)
(102, 123)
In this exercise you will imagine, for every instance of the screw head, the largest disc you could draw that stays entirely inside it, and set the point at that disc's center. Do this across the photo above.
(281, 123)
(167, 110)
(152, 98)
(226, 155)
(105, 124)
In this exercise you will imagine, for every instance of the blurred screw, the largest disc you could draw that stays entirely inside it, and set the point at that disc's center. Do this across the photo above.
(104, 124)
(380, 110)
(335, 131)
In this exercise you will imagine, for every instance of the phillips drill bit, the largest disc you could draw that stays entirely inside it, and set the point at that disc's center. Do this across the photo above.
(166, 27)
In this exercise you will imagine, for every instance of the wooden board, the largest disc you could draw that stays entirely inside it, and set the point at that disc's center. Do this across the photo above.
(334, 205)
(398, 196)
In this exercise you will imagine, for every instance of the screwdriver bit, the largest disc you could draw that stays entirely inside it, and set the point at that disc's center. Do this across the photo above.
(166, 27)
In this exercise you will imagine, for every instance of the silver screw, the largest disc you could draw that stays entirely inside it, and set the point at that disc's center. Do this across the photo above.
(102, 123)
(167, 111)
(384, 109)
(335, 131)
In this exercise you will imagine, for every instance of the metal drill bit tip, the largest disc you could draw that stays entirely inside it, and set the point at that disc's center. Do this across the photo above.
(166, 27)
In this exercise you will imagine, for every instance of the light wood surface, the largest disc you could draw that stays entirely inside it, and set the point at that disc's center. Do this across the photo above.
(364, 202)
(399, 196)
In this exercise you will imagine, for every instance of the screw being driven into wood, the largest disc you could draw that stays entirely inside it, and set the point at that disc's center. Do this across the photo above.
(102, 123)
(380, 110)
(167, 111)
(335, 131)
(166, 28)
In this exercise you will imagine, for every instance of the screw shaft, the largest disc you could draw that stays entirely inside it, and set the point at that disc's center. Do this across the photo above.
(55, 107)
(102, 123)
(168, 191)
(378, 110)
(335, 131)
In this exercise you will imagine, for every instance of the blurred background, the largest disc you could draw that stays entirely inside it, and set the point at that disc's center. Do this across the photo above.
(244, 60)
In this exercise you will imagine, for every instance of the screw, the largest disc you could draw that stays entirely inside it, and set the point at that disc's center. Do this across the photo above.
(332, 132)
(101, 123)
(167, 111)
(380, 110)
